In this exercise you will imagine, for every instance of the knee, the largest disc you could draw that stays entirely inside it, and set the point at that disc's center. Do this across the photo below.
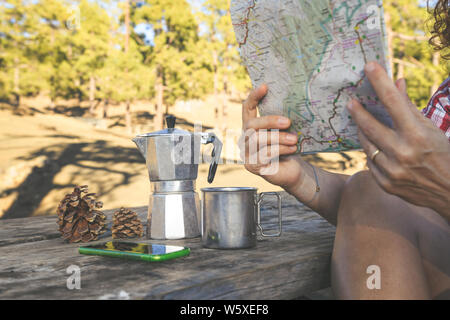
(362, 198)
(360, 186)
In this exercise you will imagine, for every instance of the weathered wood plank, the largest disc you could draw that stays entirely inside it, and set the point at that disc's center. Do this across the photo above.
(279, 268)
(31, 229)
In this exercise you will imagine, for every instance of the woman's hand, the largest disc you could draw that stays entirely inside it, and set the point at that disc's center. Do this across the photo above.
(273, 157)
(413, 161)
(266, 151)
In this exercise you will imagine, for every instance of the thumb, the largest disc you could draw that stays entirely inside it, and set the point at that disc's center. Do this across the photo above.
(249, 109)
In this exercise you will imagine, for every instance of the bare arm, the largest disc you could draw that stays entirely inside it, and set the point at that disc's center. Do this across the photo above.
(325, 201)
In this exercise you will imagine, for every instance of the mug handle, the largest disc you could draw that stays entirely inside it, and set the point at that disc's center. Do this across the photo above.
(258, 204)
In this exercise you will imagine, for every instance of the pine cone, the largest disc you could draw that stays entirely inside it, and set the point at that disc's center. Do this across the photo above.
(79, 219)
(126, 224)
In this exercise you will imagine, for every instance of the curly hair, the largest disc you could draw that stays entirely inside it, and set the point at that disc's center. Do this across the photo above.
(440, 31)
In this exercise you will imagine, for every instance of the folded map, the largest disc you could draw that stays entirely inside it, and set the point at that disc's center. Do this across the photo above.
(311, 54)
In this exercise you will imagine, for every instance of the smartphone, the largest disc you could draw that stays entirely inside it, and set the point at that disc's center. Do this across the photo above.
(135, 251)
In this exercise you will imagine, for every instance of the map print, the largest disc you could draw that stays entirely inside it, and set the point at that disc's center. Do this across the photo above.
(311, 54)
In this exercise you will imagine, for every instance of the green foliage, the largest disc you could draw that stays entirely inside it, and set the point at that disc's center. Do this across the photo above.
(62, 61)
(124, 78)
(409, 19)
(174, 53)
(219, 40)
(192, 52)
(17, 30)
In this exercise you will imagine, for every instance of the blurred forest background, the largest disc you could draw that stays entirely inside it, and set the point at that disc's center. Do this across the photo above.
(79, 78)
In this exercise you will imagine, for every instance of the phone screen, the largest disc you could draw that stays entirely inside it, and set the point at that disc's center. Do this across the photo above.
(132, 247)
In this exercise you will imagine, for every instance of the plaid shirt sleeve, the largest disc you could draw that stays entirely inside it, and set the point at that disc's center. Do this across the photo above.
(438, 109)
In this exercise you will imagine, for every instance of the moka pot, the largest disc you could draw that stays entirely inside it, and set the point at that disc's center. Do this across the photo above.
(172, 157)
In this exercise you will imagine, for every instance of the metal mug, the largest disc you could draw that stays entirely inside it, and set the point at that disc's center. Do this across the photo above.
(230, 217)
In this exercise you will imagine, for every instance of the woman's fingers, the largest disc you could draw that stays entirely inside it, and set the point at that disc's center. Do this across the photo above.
(380, 135)
(267, 138)
(268, 122)
(268, 154)
(395, 102)
(255, 96)
(370, 149)
(263, 138)
(379, 176)
(249, 107)
(386, 169)
(253, 143)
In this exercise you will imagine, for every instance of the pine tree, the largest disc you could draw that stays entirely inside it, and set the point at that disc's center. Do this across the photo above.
(17, 36)
(221, 54)
(412, 56)
(53, 48)
(170, 53)
(90, 47)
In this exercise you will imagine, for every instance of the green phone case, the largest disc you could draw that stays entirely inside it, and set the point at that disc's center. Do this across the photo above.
(134, 253)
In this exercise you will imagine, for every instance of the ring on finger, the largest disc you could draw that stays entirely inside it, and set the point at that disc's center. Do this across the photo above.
(375, 154)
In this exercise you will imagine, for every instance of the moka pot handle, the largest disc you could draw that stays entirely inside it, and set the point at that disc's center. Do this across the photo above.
(208, 138)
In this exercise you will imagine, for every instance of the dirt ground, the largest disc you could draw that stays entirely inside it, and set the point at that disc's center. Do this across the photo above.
(45, 152)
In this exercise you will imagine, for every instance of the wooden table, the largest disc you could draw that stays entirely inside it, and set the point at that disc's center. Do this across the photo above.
(34, 261)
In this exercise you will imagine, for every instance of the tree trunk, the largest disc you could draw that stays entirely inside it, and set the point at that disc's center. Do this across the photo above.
(79, 93)
(225, 89)
(220, 104)
(401, 66)
(105, 109)
(91, 95)
(127, 25)
(52, 103)
(16, 88)
(436, 82)
(159, 87)
(215, 67)
(128, 117)
(126, 48)
(400, 71)
(69, 52)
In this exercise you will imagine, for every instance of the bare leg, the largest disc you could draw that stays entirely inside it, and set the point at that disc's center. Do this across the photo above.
(410, 245)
